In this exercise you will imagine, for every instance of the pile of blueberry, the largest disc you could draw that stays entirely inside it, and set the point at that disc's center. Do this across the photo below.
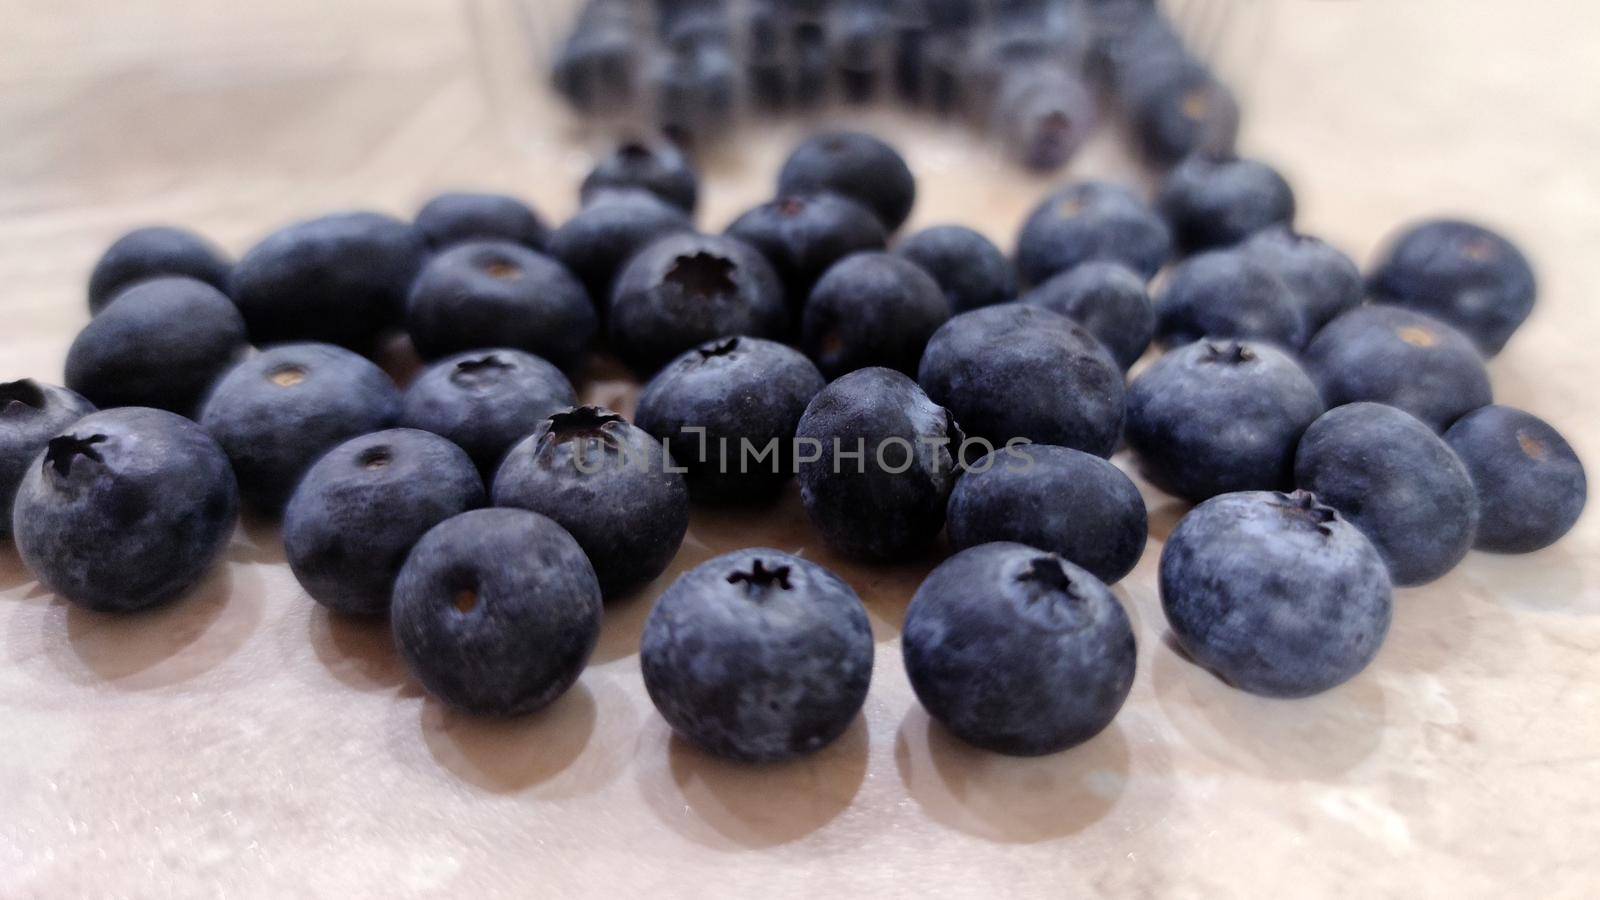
(1034, 74)
(1338, 434)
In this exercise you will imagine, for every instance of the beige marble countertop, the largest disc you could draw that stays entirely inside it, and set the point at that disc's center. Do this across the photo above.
(244, 743)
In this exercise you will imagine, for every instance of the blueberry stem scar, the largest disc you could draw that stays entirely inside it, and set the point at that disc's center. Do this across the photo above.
(760, 577)
(63, 450)
(703, 275)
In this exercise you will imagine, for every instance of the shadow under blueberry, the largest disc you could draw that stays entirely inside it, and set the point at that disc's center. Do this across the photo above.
(1552, 580)
(1006, 799)
(1318, 738)
(1165, 517)
(258, 540)
(729, 805)
(509, 755)
(163, 646)
(358, 651)
(13, 574)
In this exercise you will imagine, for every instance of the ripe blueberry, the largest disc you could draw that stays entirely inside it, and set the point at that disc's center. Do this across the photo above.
(872, 309)
(1462, 273)
(614, 225)
(1325, 283)
(31, 413)
(155, 252)
(1109, 300)
(1218, 200)
(1531, 486)
(1091, 221)
(804, 236)
(856, 165)
(1275, 593)
(455, 218)
(968, 266)
(486, 400)
(758, 655)
(658, 167)
(499, 294)
(496, 611)
(279, 410)
(125, 509)
(1395, 480)
(363, 506)
(1228, 294)
(1018, 651)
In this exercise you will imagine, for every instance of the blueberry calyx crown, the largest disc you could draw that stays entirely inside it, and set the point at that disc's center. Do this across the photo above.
(702, 275)
(479, 372)
(1051, 595)
(61, 451)
(579, 423)
(759, 578)
(720, 348)
(1230, 352)
(1307, 505)
(17, 397)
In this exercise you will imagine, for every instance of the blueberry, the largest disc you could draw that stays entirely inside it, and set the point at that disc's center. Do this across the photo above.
(1185, 112)
(596, 66)
(1109, 300)
(1216, 417)
(861, 46)
(872, 309)
(152, 253)
(804, 236)
(1018, 651)
(740, 399)
(162, 343)
(607, 482)
(31, 413)
(1228, 294)
(125, 509)
(1091, 221)
(1531, 486)
(856, 165)
(693, 88)
(276, 412)
(1462, 273)
(876, 461)
(1395, 480)
(1060, 500)
(686, 289)
(758, 656)
(658, 167)
(597, 242)
(1021, 371)
(1324, 282)
(1217, 200)
(340, 279)
(968, 266)
(454, 218)
(499, 294)
(1386, 354)
(364, 505)
(1275, 593)
(496, 611)
(1044, 114)
(486, 401)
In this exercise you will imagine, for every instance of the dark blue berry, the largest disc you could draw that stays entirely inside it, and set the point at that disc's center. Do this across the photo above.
(1018, 651)
(1386, 354)
(278, 411)
(1395, 480)
(968, 266)
(496, 611)
(597, 242)
(607, 482)
(804, 236)
(1021, 371)
(162, 343)
(31, 413)
(125, 509)
(728, 411)
(872, 309)
(1277, 594)
(485, 401)
(1462, 273)
(1217, 417)
(1109, 300)
(1181, 111)
(340, 279)
(1091, 221)
(658, 167)
(686, 289)
(455, 218)
(876, 461)
(1531, 485)
(1060, 500)
(758, 655)
(1325, 283)
(856, 165)
(1215, 200)
(362, 507)
(155, 252)
(1043, 114)
(499, 294)
(1228, 294)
